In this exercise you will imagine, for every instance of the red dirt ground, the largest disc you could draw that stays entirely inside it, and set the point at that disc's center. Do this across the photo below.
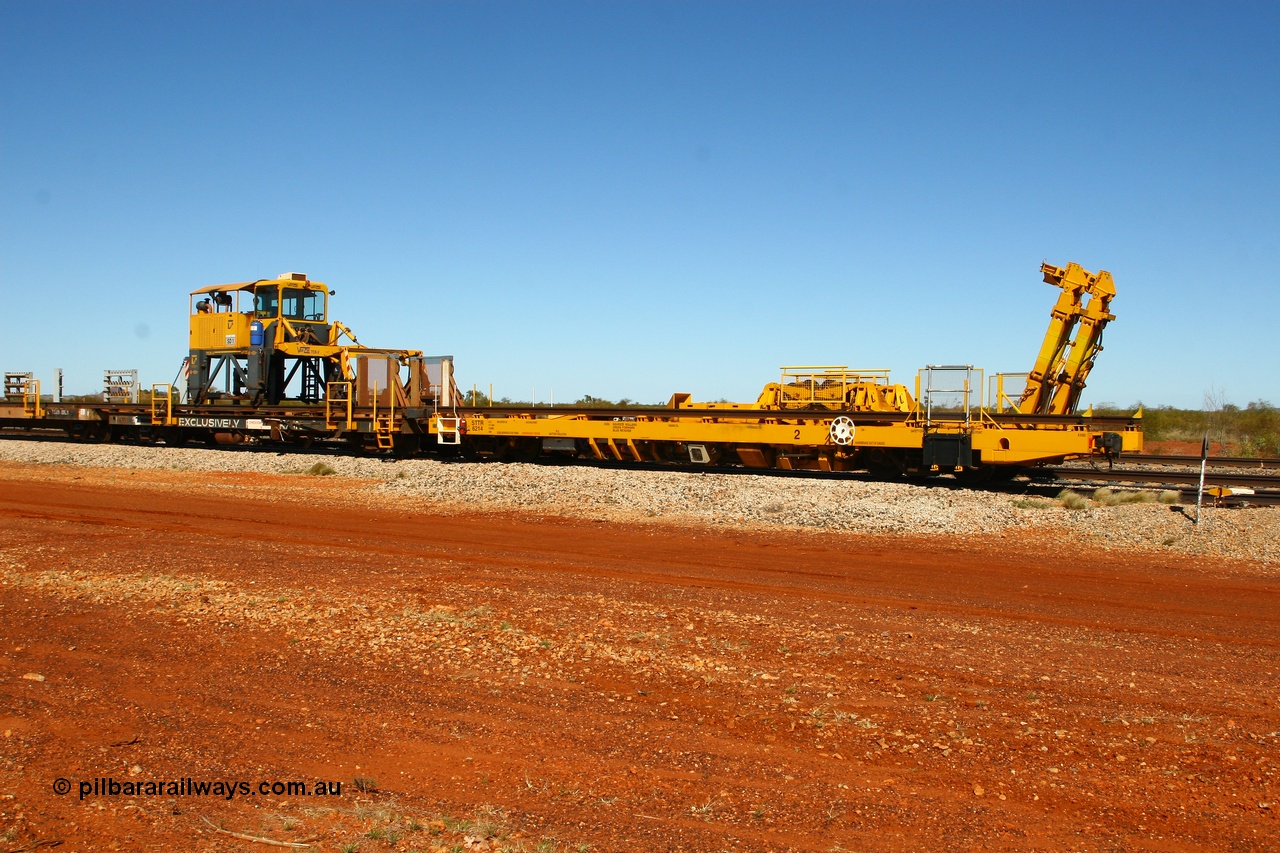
(520, 682)
(1187, 448)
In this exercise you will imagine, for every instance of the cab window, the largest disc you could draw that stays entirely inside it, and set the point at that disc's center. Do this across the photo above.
(266, 302)
(300, 304)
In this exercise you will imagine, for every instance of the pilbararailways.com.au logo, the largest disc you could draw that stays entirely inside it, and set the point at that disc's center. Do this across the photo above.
(227, 789)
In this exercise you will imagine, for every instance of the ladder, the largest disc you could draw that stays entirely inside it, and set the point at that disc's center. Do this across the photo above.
(384, 430)
(448, 430)
(312, 383)
(384, 426)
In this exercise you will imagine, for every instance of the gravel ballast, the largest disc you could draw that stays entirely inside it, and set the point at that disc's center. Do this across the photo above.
(720, 499)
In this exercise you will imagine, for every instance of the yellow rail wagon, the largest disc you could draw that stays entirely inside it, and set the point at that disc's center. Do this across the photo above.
(266, 363)
(839, 419)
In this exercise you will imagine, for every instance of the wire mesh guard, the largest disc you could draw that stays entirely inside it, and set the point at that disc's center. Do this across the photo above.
(950, 391)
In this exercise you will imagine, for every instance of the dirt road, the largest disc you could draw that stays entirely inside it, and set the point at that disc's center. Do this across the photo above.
(516, 682)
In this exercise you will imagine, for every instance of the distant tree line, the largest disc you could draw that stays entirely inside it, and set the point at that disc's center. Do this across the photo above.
(586, 401)
(1253, 430)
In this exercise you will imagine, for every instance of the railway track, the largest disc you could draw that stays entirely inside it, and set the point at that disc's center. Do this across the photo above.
(1212, 461)
(1264, 488)
(1168, 478)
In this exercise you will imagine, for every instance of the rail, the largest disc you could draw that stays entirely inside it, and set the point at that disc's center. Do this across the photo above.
(1212, 461)
(1229, 489)
(1168, 478)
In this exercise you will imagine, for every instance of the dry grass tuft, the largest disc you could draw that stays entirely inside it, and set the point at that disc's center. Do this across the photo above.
(1073, 500)
(1107, 496)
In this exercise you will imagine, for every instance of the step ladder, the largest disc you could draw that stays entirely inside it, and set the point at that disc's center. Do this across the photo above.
(312, 383)
(448, 430)
(384, 425)
(384, 430)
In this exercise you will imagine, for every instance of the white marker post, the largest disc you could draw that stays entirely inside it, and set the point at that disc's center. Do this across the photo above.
(1204, 459)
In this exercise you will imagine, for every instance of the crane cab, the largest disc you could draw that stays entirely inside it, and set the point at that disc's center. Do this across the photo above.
(242, 335)
(235, 317)
(302, 305)
(220, 317)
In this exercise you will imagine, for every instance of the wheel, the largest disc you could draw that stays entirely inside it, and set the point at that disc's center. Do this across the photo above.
(405, 445)
(975, 476)
(524, 450)
(842, 430)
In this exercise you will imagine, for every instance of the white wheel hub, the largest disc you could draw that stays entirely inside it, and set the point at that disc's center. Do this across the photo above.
(842, 429)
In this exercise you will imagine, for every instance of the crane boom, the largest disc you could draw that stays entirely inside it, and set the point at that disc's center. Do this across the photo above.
(1055, 383)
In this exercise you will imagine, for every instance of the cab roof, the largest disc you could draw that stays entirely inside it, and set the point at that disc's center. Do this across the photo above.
(228, 288)
(295, 279)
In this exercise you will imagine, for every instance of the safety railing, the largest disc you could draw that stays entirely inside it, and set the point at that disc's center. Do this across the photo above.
(949, 393)
(31, 403)
(337, 403)
(162, 403)
(15, 384)
(120, 386)
(808, 386)
(1004, 391)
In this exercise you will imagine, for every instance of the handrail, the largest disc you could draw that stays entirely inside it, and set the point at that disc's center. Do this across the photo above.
(31, 403)
(331, 396)
(167, 420)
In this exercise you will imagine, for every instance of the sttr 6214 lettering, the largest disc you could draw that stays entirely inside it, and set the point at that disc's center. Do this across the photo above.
(227, 789)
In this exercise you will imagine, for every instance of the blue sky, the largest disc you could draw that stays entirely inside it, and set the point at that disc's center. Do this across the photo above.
(631, 199)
